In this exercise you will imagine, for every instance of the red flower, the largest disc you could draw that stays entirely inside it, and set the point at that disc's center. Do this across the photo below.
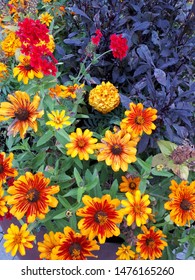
(119, 46)
(32, 32)
(96, 38)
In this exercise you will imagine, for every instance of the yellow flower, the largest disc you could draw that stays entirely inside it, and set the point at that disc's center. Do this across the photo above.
(10, 44)
(136, 208)
(82, 144)
(46, 18)
(3, 207)
(124, 253)
(18, 239)
(58, 119)
(129, 184)
(25, 71)
(104, 97)
(70, 91)
(117, 149)
(3, 71)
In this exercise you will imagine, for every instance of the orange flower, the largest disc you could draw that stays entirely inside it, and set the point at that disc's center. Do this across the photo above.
(31, 196)
(23, 111)
(6, 169)
(100, 217)
(124, 253)
(139, 120)
(129, 184)
(150, 244)
(74, 246)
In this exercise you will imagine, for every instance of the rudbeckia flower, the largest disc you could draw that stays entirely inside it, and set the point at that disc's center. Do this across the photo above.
(6, 169)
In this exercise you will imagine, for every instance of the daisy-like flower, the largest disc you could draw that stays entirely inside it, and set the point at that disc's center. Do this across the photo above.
(181, 203)
(6, 169)
(129, 184)
(150, 244)
(30, 195)
(25, 71)
(117, 149)
(23, 111)
(81, 144)
(3, 207)
(46, 18)
(100, 217)
(74, 246)
(125, 253)
(136, 208)
(119, 46)
(139, 120)
(104, 97)
(18, 239)
(58, 119)
(71, 91)
(50, 241)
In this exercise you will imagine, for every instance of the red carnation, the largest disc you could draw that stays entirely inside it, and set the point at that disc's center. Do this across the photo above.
(119, 46)
(96, 38)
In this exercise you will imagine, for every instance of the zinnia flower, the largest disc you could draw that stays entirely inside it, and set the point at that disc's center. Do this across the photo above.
(10, 44)
(6, 169)
(30, 195)
(25, 71)
(119, 46)
(46, 18)
(181, 203)
(22, 111)
(104, 97)
(150, 244)
(129, 184)
(74, 246)
(51, 240)
(117, 150)
(70, 91)
(136, 208)
(58, 119)
(100, 217)
(3, 207)
(139, 120)
(125, 253)
(81, 144)
(18, 239)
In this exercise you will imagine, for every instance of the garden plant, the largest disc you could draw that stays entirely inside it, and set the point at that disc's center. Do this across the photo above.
(97, 125)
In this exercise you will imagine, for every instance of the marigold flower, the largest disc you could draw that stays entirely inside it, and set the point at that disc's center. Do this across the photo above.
(124, 253)
(3, 207)
(74, 246)
(100, 217)
(51, 240)
(25, 71)
(30, 195)
(46, 18)
(117, 150)
(150, 244)
(18, 239)
(10, 44)
(104, 97)
(139, 120)
(81, 144)
(6, 169)
(129, 184)
(119, 46)
(181, 203)
(58, 119)
(3, 71)
(22, 111)
(136, 208)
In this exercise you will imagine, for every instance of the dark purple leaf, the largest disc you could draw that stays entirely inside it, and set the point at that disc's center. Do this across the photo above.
(160, 75)
(74, 42)
(125, 100)
(145, 54)
(79, 12)
(140, 26)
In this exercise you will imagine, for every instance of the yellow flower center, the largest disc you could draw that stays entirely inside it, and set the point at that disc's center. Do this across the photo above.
(1, 168)
(101, 217)
(75, 250)
(32, 195)
(22, 114)
(185, 205)
(116, 149)
(132, 185)
(57, 120)
(139, 120)
(18, 238)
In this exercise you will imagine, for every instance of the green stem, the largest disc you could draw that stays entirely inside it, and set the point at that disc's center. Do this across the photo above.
(157, 195)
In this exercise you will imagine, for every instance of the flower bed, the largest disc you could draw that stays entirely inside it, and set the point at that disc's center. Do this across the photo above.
(97, 129)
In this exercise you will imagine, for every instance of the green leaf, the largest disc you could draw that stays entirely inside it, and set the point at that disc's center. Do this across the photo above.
(146, 165)
(166, 147)
(114, 189)
(162, 173)
(45, 138)
(80, 192)
(62, 136)
(38, 160)
(79, 180)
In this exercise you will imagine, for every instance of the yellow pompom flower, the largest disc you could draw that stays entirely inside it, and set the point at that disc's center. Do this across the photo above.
(10, 44)
(124, 253)
(58, 119)
(46, 18)
(104, 97)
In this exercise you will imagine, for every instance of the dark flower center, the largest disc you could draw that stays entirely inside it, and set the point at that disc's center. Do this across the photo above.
(139, 120)
(32, 195)
(75, 250)
(28, 67)
(132, 185)
(100, 217)
(22, 114)
(150, 242)
(185, 205)
(81, 143)
(116, 149)
(1, 168)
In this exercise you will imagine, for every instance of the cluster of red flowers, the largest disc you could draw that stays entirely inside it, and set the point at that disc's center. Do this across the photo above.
(31, 33)
(119, 46)
(96, 38)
